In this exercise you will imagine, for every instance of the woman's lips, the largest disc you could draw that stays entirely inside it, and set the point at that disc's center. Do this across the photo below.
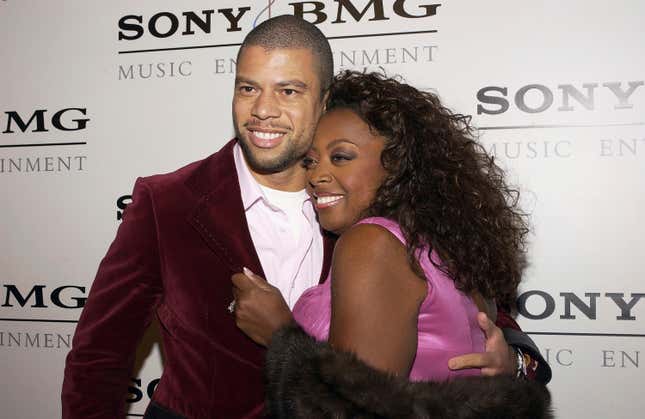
(327, 201)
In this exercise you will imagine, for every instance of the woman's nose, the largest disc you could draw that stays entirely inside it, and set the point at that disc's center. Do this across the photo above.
(318, 175)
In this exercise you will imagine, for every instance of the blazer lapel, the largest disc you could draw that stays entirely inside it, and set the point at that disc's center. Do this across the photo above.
(219, 216)
(220, 219)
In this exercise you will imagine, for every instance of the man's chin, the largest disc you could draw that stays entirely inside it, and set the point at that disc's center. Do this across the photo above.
(264, 162)
(269, 160)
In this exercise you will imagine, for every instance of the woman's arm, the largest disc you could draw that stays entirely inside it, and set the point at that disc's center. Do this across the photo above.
(375, 299)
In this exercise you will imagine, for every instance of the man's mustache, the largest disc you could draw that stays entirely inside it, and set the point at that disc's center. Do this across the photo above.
(256, 123)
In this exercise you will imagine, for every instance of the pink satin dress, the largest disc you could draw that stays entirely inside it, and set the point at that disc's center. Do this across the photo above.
(447, 324)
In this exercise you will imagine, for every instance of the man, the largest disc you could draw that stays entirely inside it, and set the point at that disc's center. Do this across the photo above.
(186, 233)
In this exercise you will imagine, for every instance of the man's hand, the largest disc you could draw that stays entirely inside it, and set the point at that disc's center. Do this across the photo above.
(259, 308)
(499, 357)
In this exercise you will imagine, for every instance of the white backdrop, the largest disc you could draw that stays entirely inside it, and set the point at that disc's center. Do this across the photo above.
(556, 88)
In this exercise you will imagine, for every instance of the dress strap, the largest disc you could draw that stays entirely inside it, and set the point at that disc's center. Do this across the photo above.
(390, 225)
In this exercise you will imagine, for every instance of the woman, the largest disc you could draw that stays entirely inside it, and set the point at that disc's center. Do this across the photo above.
(426, 226)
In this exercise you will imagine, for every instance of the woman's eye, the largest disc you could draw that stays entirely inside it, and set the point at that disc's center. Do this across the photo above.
(339, 158)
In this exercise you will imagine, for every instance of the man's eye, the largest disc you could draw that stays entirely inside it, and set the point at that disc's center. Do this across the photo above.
(308, 163)
(289, 92)
(247, 89)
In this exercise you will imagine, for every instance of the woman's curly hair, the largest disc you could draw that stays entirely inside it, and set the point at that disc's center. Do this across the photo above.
(442, 187)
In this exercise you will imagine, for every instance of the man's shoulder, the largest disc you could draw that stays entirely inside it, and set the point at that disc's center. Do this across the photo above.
(196, 175)
(177, 175)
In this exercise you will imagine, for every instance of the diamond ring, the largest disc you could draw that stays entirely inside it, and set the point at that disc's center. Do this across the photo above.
(231, 307)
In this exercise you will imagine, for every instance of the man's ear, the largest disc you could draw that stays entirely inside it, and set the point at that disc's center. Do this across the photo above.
(324, 99)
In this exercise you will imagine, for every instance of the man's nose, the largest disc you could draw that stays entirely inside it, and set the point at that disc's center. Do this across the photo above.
(266, 106)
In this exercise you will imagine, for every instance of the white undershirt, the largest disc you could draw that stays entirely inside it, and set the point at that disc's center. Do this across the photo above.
(291, 204)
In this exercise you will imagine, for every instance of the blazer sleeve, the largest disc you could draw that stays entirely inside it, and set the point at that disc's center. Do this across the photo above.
(118, 309)
(540, 369)
(309, 379)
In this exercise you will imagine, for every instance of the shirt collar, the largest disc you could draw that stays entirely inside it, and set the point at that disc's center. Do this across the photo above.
(249, 187)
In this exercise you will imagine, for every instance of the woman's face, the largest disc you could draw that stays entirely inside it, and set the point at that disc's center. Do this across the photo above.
(344, 169)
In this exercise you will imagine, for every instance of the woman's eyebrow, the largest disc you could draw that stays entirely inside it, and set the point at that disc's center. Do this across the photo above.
(340, 140)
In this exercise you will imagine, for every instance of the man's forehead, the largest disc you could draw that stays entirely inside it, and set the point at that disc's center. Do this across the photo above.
(278, 64)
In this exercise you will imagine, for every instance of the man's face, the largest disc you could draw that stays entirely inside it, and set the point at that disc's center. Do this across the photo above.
(276, 106)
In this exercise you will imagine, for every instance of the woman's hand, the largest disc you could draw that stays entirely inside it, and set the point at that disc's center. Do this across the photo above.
(259, 308)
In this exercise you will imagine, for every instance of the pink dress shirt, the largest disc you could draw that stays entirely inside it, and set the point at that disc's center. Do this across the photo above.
(290, 263)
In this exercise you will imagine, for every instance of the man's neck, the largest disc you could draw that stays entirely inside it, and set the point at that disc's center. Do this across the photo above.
(291, 179)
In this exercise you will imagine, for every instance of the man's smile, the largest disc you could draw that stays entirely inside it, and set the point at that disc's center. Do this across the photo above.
(263, 138)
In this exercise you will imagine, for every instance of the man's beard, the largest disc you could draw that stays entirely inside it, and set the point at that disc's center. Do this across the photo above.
(287, 158)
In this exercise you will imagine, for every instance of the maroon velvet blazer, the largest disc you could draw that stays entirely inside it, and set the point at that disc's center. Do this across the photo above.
(181, 239)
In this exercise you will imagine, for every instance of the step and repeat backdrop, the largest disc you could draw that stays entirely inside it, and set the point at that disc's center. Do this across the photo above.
(96, 93)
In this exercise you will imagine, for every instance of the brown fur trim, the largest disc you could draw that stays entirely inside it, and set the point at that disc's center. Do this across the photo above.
(309, 379)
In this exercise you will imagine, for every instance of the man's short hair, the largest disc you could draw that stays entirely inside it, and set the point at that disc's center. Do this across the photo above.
(288, 31)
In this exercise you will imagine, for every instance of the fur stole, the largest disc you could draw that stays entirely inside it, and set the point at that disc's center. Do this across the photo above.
(308, 379)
